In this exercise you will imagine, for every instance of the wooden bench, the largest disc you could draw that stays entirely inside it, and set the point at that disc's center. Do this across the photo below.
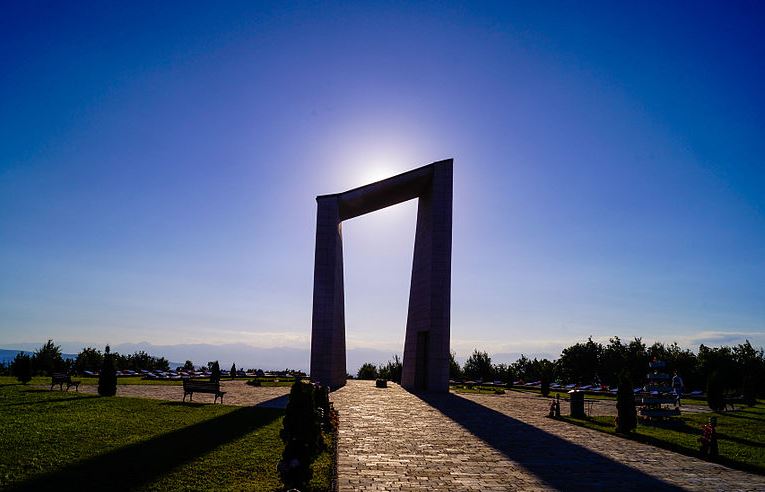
(61, 379)
(190, 387)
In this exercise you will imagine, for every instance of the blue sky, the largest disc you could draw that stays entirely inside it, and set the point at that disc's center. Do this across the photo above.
(159, 164)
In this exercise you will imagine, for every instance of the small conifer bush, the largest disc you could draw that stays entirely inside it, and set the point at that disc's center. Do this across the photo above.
(215, 372)
(626, 419)
(715, 392)
(107, 378)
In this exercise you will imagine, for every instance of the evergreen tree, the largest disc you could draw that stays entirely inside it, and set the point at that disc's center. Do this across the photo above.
(367, 371)
(478, 366)
(626, 420)
(455, 371)
(215, 370)
(107, 378)
(89, 359)
(21, 367)
(47, 359)
(233, 371)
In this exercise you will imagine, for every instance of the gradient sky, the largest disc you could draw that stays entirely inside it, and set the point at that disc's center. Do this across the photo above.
(159, 164)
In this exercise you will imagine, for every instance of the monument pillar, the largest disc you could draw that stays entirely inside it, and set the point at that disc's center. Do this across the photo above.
(328, 334)
(426, 346)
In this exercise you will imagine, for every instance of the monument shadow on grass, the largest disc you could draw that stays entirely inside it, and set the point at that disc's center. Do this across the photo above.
(559, 463)
(137, 465)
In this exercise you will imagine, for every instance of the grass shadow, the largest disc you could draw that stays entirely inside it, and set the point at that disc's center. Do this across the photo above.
(191, 404)
(73, 398)
(559, 463)
(138, 464)
(277, 402)
(679, 448)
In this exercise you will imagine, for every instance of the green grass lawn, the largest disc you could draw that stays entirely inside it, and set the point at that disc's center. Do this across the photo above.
(271, 382)
(54, 440)
(477, 389)
(741, 435)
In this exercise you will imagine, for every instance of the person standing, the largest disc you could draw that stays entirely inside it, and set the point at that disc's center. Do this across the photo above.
(677, 388)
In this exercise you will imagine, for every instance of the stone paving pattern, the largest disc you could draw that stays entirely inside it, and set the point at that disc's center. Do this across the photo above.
(390, 439)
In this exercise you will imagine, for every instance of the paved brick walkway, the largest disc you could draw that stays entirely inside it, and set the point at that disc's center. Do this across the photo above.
(393, 440)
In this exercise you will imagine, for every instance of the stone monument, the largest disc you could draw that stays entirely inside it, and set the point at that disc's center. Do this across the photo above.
(426, 346)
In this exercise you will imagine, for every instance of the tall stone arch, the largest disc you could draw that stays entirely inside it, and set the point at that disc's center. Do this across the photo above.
(426, 345)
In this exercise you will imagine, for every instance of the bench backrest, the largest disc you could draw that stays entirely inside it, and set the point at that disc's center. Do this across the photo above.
(200, 385)
(60, 377)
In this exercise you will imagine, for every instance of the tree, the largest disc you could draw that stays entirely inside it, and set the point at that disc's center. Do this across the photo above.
(21, 367)
(232, 373)
(107, 378)
(478, 366)
(391, 370)
(751, 366)
(626, 419)
(188, 366)
(503, 372)
(215, 372)
(47, 359)
(579, 363)
(455, 371)
(367, 371)
(89, 359)
(522, 369)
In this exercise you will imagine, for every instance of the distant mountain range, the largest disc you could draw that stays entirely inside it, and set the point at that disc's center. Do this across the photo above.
(6, 355)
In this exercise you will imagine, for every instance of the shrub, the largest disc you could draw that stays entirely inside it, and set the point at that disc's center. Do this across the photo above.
(715, 392)
(107, 378)
(89, 359)
(301, 435)
(321, 400)
(215, 372)
(545, 386)
(626, 419)
(367, 371)
(391, 370)
(478, 366)
(21, 367)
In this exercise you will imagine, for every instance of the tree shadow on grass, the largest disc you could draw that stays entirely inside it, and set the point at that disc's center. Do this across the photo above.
(190, 404)
(74, 397)
(138, 464)
(739, 416)
(559, 463)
